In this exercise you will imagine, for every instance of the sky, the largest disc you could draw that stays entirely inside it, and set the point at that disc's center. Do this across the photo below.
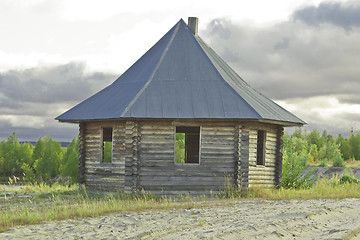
(303, 54)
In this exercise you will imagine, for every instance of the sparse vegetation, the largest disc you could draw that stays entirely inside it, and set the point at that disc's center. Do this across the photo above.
(59, 202)
(37, 165)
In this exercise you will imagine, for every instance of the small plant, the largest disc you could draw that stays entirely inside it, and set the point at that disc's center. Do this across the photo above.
(13, 180)
(323, 162)
(201, 222)
(338, 162)
(349, 177)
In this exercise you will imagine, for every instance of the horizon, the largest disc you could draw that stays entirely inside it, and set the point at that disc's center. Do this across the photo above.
(280, 48)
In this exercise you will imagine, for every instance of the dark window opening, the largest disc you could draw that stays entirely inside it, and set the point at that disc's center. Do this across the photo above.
(187, 144)
(107, 145)
(260, 156)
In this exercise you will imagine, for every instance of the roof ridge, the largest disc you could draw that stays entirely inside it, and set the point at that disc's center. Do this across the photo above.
(153, 73)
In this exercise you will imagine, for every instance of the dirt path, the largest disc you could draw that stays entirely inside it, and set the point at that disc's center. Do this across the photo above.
(293, 219)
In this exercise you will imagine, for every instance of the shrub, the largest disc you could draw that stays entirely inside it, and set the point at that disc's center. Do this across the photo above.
(349, 177)
(338, 162)
(29, 174)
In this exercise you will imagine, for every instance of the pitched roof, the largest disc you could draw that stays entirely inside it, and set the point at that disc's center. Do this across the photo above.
(180, 77)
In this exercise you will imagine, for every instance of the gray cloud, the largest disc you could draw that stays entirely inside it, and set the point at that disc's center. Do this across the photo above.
(65, 83)
(58, 131)
(290, 59)
(300, 65)
(351, 98)
(346, 16)
(219, 27)
(30, 99)
(282, 44)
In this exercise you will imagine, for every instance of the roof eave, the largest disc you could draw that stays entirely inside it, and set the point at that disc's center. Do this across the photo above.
(270, 121)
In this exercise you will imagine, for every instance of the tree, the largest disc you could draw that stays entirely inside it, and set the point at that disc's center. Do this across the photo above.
(47, 166)
(329, 152)
(180, 148)
(294, 162)
(38, 152)
(11, 160)
(345, 148)
(354, 143)
(298, 133)
(71, 161)
(2, 158)
(26, 153)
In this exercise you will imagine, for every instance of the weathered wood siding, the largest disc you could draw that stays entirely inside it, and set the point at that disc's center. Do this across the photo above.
(130, 153)
(82, 152)
(243, 158)
(279, 156)
(267, 175)
(99, 175)
(159, 174)
(144, 152)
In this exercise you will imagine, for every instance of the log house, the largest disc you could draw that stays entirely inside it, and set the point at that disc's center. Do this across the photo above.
(232, 135)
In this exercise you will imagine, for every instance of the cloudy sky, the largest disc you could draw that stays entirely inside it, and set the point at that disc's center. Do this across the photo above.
(303, 54)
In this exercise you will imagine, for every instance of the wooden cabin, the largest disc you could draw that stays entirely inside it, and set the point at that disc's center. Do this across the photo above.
(179, 121)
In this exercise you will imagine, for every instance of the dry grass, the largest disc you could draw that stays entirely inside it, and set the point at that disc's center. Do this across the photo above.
(59, 202)
(323, 189)
(353, 164)
(348, 163)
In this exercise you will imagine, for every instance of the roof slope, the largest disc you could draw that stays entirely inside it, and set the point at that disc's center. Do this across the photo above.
(179, 77)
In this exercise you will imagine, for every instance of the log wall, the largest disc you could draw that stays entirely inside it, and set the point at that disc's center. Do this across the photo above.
(144, 153)
(160, 175)
(99, 175)
(82, 152)
(279, 156)
(266, 175)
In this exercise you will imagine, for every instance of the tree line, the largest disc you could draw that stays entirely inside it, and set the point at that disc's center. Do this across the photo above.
(47, 159)
(302, 148)
(40, 163)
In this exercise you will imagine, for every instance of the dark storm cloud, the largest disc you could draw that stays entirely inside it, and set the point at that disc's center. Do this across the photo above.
(289, 59)
(30, 99)
(346, 16)
(60, 132)
(62, 83)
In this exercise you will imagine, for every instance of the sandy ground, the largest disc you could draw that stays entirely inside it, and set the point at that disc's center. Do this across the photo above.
(293, 219)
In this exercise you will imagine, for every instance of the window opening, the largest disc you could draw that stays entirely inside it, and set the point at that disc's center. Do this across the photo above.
(107, 145)
(260, 156)
(187, 144)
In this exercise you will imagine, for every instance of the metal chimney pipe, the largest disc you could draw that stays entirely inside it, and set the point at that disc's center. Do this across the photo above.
(193, 25)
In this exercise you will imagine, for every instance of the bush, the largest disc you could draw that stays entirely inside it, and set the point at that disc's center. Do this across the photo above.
(338, 162)
(323, 162)
(29, 174)
(349, 177)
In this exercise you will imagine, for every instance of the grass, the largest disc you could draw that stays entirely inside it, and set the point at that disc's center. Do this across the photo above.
(348, 163)
(352, 163)
(323, 189)
(62, 202)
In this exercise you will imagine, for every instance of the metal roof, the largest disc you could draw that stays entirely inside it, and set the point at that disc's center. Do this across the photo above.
(180, 77)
